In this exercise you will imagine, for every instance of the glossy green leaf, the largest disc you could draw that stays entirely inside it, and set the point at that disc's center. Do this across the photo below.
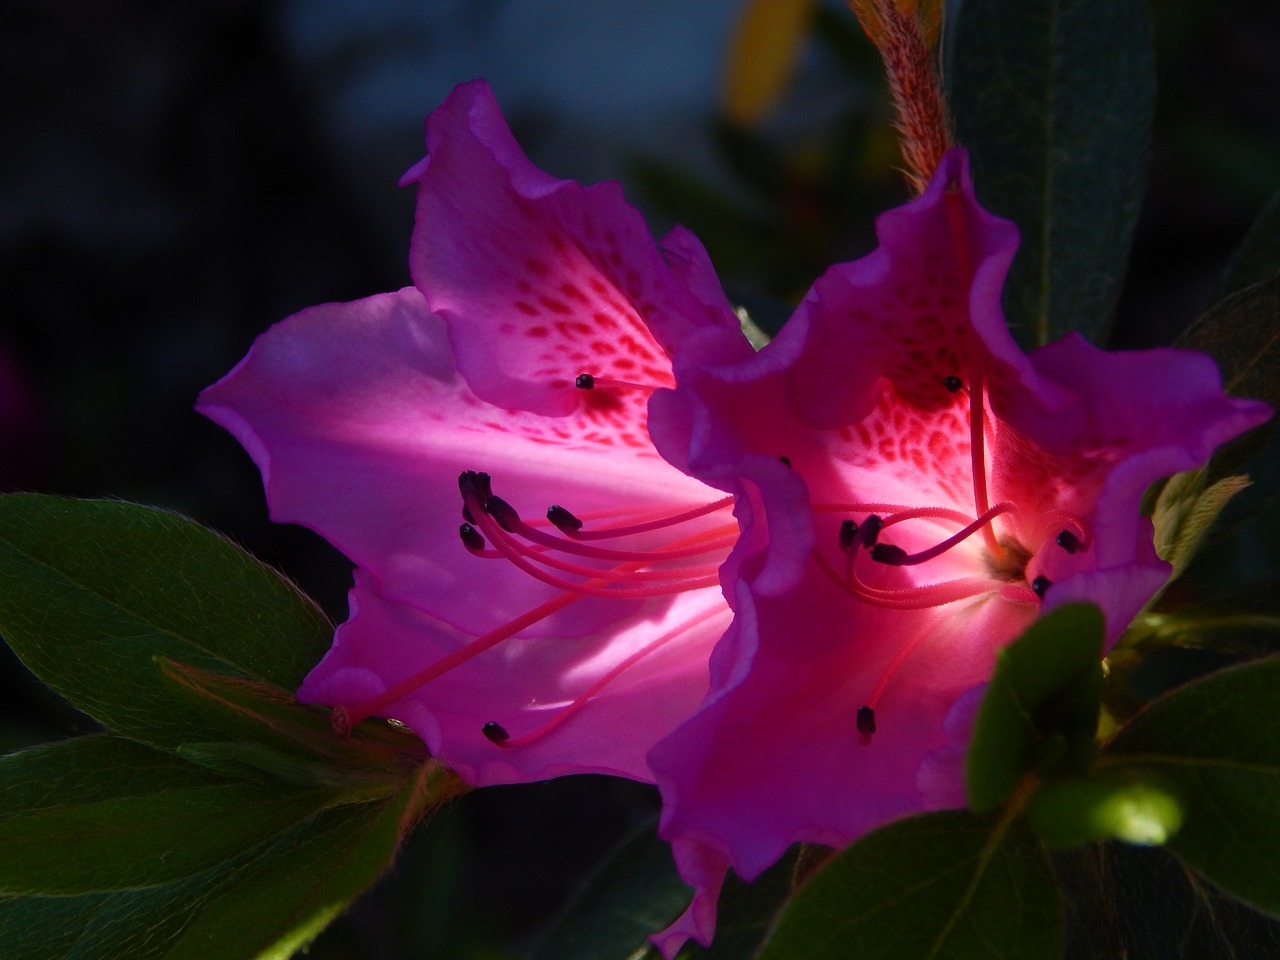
(264, 904)
(942, 886)
(1217, 740)
(290, 896)
(1040, 711)
(1054, 102)
(93, 821)
(93, 590)
(635, 893)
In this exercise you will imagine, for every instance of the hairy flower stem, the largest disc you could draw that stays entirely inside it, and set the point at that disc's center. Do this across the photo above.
(904, 32)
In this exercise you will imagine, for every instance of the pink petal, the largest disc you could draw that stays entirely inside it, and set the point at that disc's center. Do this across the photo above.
(360, 425)
(526, 684)
(541, 279)
(866, 392)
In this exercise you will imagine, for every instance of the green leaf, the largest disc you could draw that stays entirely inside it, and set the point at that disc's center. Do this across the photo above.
(635, 893)
(93, 590)
(1129, 805)
(273, 733)
(1218, 742)
(288, 898)
(1258, 256)
(1054, 101)
(942, 886)
(101, 815)
(1040, 711)
(1185, 512)
(264, 904)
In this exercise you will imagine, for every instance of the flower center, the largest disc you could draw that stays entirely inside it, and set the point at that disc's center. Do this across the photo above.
(869, 559)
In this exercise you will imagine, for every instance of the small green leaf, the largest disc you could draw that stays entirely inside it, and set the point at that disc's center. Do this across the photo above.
(942, 886)
(1185, 512)
(1054, 101)
(93, 590)
(635, 893)
(1128, 805)
(1040, 711)
(1217, 740)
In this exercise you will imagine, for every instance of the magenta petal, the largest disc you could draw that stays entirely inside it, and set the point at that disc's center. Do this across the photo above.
(869, 606)
(541, 279)
(526, 685)
(536, 588)
(360, 425)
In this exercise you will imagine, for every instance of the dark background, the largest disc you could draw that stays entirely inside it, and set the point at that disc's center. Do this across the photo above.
(177, 177)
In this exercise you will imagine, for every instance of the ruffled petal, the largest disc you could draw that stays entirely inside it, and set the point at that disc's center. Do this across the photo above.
(869, 392)
(642, 677)
(361, 425)
(539, 279)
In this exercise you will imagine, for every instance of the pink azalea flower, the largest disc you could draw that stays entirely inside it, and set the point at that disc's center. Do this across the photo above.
(939, 490)
(564, 625)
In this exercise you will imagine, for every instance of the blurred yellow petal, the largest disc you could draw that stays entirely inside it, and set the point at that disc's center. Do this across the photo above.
(762, 56)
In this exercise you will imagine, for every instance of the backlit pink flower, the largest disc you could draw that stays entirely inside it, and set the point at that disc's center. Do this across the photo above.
(564, 625)
(913, 491)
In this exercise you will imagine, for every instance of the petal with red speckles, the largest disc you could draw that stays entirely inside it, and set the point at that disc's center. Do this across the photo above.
(362, 416)
(872, 391)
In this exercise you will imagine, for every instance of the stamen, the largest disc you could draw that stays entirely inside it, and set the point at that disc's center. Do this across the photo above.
(673, 584)
(953, 384)
(587, 381)
(495, 732)
(564, 521)
(910, 598)
(953, 205)
(869, 531)
(1073, 535)
(608, 533)
(848, 535)
(471, 538)
(502, 512)
(1040, 586)
(350, 716)
(866, 723)
(786, 461)
(574, 545)
(892, 555)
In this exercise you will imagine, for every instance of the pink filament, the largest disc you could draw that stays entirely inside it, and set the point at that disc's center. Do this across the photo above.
(353, 715)
(911, 598)
(960, 536)
(613, 673)
(499, 538)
